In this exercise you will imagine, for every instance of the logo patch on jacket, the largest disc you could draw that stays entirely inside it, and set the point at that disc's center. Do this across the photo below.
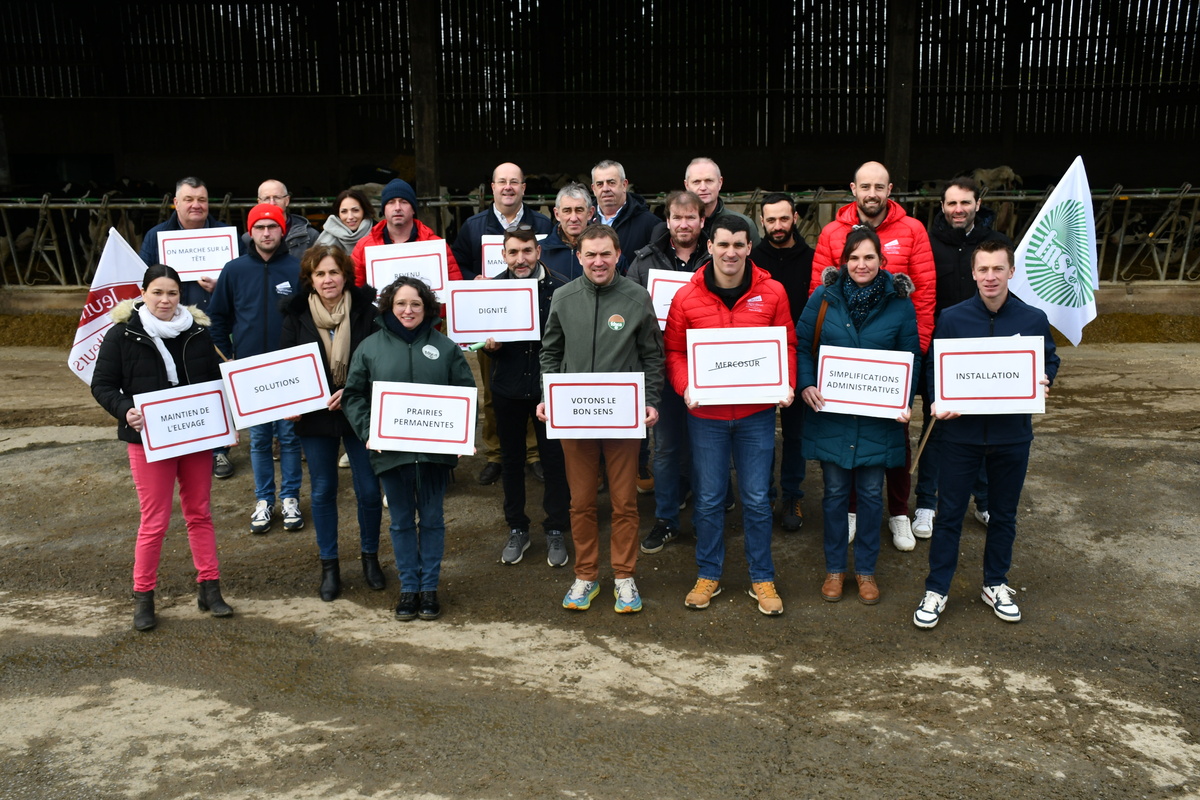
(616, 322)
(891, 247)
(430, 352)
(284, 288)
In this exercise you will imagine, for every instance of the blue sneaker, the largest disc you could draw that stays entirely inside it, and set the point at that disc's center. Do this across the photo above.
(628, 599)
(581, 595)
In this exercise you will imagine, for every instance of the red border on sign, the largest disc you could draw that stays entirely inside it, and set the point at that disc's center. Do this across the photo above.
(1032, 369)
(233, 386)
(164, 240)
(656, 281)
(483, 258)
(442, 269)
(224, 417)
(454, 293)
(551, 386)
(904, 391)
(778, 363)
(466, 418)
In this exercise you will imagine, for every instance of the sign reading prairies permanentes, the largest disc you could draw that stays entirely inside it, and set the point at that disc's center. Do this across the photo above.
(275, 385)
(424, 260)
(867, 383)
(185, 419)
(507, 311)
(662, 285)
(595, 405)
(423, 418)
(200, 253)
(738, 365)
(990, 375)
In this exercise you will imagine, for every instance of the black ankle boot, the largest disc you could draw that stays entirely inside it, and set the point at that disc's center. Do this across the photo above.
(372, 571)
(406, 609)
(143, 611)
(209, 599)
(430, 609)
(331, 579)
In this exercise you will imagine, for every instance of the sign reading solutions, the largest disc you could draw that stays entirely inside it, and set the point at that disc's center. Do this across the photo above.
(200, 253)
(990, 375)
(868, 383)
(595, 405)
(662, 285)
(424, 260)
(185, 419)
(738, 365)
(506, 311)
(275, 385)
(423, 418)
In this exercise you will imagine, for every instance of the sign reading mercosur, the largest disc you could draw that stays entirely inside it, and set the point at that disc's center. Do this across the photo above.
(990, 375)
(423, 418)
(867, 383)
(506, 311)
(662, 285)
(738, 365)
(185, 419)
(595, 405)
(424, 260)
(275, 385)
(200, 253)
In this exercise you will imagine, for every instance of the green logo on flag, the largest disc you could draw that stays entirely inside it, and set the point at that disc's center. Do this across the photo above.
(1057, 263)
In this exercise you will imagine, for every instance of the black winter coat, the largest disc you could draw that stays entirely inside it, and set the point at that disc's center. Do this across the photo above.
(516, 366)
(952, 253)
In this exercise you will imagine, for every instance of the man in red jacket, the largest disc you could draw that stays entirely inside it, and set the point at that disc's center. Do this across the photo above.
(905, 250)
(399, 225)
(730, 292)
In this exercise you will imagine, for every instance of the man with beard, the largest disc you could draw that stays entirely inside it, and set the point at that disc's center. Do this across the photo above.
(905, 251)
(785, 255)
(622, 210)
(572, 208)
(703, 178)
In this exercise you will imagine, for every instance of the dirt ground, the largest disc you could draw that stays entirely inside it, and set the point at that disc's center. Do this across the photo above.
(1094, 694)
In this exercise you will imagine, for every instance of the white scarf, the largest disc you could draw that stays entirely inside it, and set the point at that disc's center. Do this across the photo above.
(158, 330)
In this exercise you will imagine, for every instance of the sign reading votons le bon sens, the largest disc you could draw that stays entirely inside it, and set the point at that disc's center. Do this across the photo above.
(270, 387)
(990, 375)
(738, 365)
(424, 260)
(423, 418)
(595, 405)
(867, 383)
(506, 311)
(185, 419)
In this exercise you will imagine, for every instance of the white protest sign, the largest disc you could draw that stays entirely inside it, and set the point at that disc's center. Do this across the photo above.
(424, 260)
(492, 255)
(595, 405)
(423, 418)
(738, 365)
(867, 383)
(275, 385)
(506, 311)
(185, 419)
(662, 285)
(990, 375)
(200, 253)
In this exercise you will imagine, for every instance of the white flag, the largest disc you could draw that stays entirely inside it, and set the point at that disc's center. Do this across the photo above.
(1057, 269)
(118, 277)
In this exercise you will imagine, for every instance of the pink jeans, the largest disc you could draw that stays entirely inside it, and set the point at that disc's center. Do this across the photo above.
(155, 482)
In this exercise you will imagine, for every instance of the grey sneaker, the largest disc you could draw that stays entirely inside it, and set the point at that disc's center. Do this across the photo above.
(556, 549)
(292, 519)
(514, 551)
(222, 466)
(260, 520)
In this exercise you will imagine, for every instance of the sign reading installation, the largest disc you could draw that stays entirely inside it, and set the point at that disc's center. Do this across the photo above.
(738, 365)
(276, 385)
(423, 418)
(990, 375)
(868, 383)
(595, 405)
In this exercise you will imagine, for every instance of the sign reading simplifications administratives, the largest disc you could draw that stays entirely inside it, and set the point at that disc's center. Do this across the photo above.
(866, 383)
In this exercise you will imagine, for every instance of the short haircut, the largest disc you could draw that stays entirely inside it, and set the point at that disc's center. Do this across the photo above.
(576, 190)
(598, 231)
(728, 222)
(524, 233)
(695, 162)
(608, 163)
(314, 255)
(966, 183)
(995, 246)
(432, 307)
(368, 209)
(157, 271)
(779, 197)
(195, 183)
(860, 234)
(682, 197)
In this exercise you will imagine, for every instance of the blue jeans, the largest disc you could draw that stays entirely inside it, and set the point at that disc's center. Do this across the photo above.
(322, 455)
(927, 472)
(793, 468)
(1006, 466)
(839, 483)
(750, 441)
(417, 491)
(264, 466)
(672, 456)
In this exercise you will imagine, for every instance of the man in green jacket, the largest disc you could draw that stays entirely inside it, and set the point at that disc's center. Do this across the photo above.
(603, 322)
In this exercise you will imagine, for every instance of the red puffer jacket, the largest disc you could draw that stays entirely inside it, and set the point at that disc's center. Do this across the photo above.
(424, 234)
(906, 250)
(695, 306)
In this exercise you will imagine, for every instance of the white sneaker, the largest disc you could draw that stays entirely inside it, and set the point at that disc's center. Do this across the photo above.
(852, 519)
(1000, 598)
(628, 599)
(922, 526)
(260, 520)
(344, 461)
(902, 535)
(930, 610)
(292, 519)
(983, 516)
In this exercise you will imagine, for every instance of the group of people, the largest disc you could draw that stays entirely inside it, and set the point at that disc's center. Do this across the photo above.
(877, 280)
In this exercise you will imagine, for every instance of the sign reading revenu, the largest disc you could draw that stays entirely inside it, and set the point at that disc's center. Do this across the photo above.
(422, 418)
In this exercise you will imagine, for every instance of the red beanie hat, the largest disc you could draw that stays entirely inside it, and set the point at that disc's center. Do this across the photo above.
(267, 211)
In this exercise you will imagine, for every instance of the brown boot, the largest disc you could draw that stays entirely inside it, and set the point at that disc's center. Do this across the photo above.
(868, 590)
(831, 590)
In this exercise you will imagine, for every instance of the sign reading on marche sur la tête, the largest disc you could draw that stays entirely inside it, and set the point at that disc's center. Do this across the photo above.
(595, 405)
(270, 387)
(200, 253)
(990, 375)
(185, 419)
(738, 365)
(507, 311)
(423, 418)
(867, 383)
(424, 260)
